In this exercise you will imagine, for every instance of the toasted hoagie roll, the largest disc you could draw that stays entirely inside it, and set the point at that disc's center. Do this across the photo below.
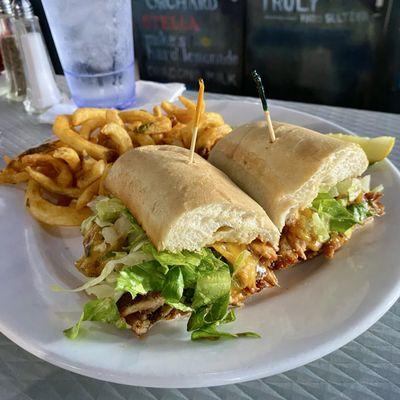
(184, 206)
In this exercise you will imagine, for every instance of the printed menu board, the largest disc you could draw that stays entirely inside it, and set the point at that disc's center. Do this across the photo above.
(183, 40)
(322, 51)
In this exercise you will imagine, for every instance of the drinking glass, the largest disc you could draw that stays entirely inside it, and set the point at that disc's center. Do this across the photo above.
(94, 41)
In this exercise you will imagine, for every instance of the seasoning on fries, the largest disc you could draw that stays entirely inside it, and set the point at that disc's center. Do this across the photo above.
(66, 174)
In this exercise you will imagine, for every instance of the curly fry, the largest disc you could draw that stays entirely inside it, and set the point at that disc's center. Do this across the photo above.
(48, 184)
(119, 136)
(209, 135)
(183, 115)
(142, 139)
(89, 176)
(62, 129)
(102, 190)
(48, 213)
(91, 125)
(82, 115)
(157, 111)
(136, 115)
(44, 148)
(87, 195)
(12, 177)
(113, 116)
(64, 175)
(70, 156)
(187, 103)
(132, 126)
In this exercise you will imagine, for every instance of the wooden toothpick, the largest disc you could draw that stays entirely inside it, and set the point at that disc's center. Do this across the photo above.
(199, 110)
(263, 98)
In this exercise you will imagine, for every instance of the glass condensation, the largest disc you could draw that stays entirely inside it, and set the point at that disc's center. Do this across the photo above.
(95, 46)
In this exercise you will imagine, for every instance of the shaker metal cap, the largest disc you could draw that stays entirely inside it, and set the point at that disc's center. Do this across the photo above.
(5, 7)
(22, 9)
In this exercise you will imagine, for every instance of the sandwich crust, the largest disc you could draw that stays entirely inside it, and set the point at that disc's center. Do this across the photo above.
(185, 206)
(286, 175)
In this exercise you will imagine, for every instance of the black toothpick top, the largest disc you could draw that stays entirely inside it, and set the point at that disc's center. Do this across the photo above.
(260, 88)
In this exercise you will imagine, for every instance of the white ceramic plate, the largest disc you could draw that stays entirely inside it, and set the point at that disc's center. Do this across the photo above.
(320, 306)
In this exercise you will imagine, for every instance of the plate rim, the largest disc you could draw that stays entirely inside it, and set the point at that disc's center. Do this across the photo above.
(252, 372)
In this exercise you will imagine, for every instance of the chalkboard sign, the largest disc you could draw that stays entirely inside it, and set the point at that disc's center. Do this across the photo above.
(322, 51)
(183, 40)
(390, 95)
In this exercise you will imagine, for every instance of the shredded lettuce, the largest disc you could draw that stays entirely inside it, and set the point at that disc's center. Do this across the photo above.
(378, 189)
(173, 289)
(142, 278)
(101, 310)
(123, 226)
(210, 280)
(120, 258)
(203, 327)
(87, 224)
(336, 214)
(210, 332)
(360, 211)
(166, 258)
(211, 303)
(103, 290)
(136, 235)
(340, 219)
(332, 191)
(320, 226)
(174, 285)
(211, 287)
(365, 183)
(110, 235)
(353, 187)
(108, 209)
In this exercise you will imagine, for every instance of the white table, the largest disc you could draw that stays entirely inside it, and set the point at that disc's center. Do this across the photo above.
(367, 368)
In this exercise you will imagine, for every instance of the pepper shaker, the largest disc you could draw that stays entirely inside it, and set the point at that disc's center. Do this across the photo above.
(15, 78)
(42, 90)
(3, 77)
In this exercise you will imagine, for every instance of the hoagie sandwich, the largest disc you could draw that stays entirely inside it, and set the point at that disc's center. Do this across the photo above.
(172, 239)
(310, 185)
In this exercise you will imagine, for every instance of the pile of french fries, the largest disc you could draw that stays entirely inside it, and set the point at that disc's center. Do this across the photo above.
(64, 175)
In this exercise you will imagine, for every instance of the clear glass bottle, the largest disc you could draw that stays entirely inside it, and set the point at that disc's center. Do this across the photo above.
(15, 79)
(42, 90)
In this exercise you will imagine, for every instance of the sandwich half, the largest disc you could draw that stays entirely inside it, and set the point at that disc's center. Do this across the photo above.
(171, 239)
(309, 184)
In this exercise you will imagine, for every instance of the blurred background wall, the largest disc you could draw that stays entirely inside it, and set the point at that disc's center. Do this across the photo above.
(336, 52)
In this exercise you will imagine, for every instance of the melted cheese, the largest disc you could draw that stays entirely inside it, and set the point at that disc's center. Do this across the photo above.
(230, 251)
(244, 276)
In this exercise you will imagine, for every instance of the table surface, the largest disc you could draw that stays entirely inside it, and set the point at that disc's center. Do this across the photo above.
(366, 368)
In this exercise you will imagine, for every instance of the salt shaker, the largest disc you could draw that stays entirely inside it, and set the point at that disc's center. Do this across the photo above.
(42, 90)
(15, 84)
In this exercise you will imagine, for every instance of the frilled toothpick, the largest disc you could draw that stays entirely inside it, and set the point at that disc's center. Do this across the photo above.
(199, 110)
